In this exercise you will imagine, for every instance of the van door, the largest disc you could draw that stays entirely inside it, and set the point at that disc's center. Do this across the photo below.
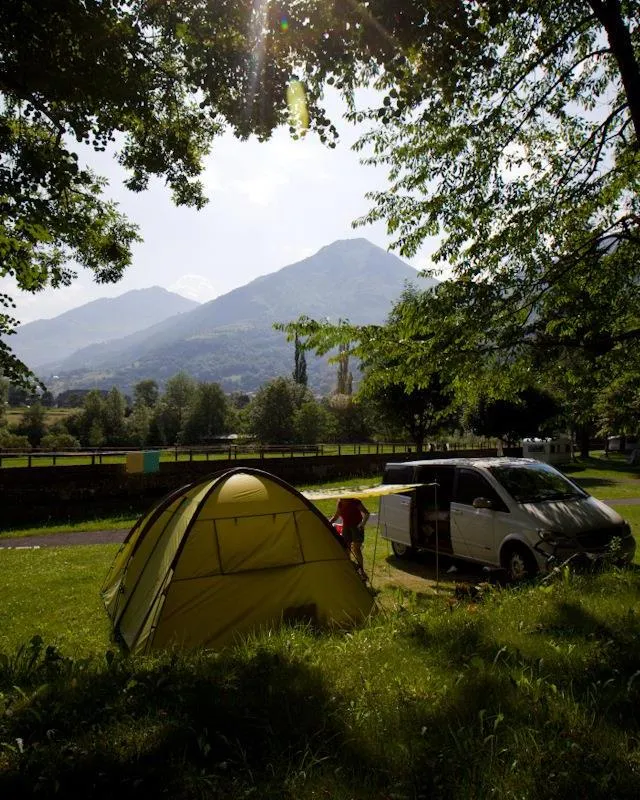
(396, 513)
(473, 529)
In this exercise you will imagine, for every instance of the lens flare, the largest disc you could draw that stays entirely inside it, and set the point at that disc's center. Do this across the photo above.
(298, 109)
(284, 24)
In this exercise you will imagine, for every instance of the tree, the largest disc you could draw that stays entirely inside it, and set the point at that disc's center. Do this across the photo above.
(154, 81)
(59, 441)
(33, 424)
(172, 408)
(512, 131)
(533, 413)
(344, 380)
(350, 419)
(138, 425)
(272, 412)
(300, 368)
(312, 422)
(206, 417)
(146, 393)
(87, 426)
(4, 400)
(113, 417)
(418, 411)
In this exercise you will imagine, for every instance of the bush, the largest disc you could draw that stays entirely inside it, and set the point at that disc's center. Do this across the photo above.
(11, 441)
(59, 441)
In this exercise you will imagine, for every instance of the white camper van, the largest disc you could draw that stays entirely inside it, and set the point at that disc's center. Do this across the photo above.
(515, 513)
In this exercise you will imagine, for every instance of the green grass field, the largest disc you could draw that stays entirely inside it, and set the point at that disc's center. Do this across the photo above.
(184, 455)
(529, 692)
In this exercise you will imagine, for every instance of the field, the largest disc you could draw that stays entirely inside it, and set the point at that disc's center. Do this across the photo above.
(527, 692)
(52, 415)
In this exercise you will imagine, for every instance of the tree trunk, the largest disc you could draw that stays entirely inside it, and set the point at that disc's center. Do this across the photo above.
(584, 437)
(609, 13)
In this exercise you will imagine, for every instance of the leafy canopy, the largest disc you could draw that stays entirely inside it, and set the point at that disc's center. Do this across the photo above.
(512, 130)
(154, 81)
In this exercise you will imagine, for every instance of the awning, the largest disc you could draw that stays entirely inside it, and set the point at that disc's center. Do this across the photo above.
(361, 494)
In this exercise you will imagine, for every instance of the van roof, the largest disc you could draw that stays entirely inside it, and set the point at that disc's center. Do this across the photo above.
(487, 461)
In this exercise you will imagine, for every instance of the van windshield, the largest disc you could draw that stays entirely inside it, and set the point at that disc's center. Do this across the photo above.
(534, 483)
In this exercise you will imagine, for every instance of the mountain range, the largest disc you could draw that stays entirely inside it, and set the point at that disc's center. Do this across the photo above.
(231, 339)
(50, 341)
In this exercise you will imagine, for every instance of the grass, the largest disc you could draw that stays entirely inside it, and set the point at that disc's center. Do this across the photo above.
(54, 593)
(530, 692)
(15, 415)
(125, 521)
(173, 456)
(521, 693)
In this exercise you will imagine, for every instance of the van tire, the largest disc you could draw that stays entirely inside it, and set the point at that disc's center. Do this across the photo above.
(402, 550)
(518, 562)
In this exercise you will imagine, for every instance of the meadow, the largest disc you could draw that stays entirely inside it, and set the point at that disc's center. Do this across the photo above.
(510, 692)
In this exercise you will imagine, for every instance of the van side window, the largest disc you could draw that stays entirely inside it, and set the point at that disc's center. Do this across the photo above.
(471, 485)
(398, 473)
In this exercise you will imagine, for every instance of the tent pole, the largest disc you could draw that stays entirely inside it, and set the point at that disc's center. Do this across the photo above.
(375, 543)
(435, 494)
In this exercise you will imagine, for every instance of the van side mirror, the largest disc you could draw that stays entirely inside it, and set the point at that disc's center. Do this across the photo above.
(482, 502)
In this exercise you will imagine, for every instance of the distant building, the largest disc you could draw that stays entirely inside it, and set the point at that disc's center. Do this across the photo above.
(552, 450)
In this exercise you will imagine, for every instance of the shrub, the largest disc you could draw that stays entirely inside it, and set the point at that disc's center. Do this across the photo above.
(11, 441)
(59, 441)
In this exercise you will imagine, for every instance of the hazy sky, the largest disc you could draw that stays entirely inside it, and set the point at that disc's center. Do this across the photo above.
(271, 204)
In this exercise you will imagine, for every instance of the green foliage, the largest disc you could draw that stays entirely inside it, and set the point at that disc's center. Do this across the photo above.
(59, 441)
(138, 425)
(4, 400)
(154, 81)
(312, 423)
(532, 413)
(113, 417)
(206, 416)
(271, 412)
(33, 424)
(171, 411)
(146, 393)
(12, 441)
(531, 692)
(300, 366)
(511, 131)
(350, 419)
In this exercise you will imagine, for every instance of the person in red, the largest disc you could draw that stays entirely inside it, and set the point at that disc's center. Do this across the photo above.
(354, 517)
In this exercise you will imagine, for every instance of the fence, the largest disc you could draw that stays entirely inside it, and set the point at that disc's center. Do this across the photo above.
(99, 456)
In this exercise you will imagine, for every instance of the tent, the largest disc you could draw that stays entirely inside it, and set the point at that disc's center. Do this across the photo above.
(216, 559)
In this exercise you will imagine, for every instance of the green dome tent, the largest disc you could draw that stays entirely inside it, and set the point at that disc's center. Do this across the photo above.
(239, 551)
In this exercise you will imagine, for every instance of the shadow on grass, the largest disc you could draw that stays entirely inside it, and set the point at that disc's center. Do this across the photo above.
(267, 724)
(200, 727)
(587, 483)
(447, 568)
(613, 464)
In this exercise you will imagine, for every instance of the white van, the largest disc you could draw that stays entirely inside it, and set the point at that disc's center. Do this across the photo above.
(518, 514)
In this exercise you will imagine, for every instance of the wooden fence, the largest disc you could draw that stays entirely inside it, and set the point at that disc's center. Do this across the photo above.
(98, 456)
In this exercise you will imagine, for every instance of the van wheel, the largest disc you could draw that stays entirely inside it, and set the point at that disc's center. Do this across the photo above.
(519, 563)
(401, 550)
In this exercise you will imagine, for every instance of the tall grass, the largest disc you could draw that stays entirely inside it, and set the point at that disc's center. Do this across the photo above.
(525, 693)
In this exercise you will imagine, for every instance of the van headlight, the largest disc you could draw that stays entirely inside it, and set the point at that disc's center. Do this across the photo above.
(550, 537)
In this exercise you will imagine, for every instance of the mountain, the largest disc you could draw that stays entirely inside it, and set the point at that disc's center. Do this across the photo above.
(46, 342)
(231, 339)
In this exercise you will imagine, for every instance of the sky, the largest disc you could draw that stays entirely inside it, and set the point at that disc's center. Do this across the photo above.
(270, 204)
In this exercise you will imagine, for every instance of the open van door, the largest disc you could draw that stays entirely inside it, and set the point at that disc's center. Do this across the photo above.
(396, 513)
